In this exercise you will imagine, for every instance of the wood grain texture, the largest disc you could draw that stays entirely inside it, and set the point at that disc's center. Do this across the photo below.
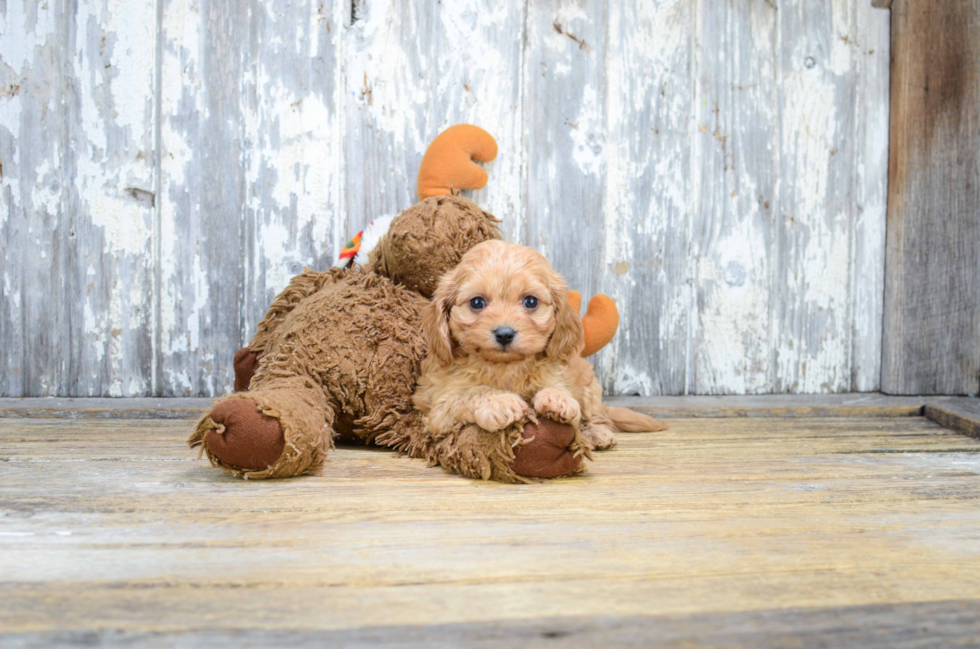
(785, 239)
(565, 87)
(718, 170)
(111, 199)
(76, 139)
(114, 528)
(966, 409)
(35, 180)
(932, 307)
(293, 153)
(201, 240)
(870, 164)
(821, 53)
(646, 214)
(960, 415)
(949, 623)
(736, 177)
(413, 68)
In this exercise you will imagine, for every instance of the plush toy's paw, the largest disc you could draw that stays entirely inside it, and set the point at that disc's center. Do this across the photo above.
(558, 405)
(498, 411)
(600, 436)
(548, 454)
(246, 361)
(249, 439)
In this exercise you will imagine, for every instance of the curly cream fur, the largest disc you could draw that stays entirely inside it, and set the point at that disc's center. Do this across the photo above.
(470, 378)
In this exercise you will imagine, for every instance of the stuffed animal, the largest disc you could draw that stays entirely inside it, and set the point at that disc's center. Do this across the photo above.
(338, 355)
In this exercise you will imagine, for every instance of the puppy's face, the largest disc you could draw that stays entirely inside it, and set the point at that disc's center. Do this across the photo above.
(503, 303)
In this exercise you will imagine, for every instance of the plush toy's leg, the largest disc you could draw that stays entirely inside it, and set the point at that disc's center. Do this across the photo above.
(246, 362)
(519, 453)
(282, 428)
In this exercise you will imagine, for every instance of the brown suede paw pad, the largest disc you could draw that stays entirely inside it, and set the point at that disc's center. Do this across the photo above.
(548, 455)
(251, 440)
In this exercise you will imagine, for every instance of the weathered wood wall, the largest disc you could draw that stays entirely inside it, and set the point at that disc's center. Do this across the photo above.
(719, 168)
(932, 303)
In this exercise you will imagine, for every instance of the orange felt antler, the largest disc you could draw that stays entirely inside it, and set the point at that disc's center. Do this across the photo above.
(600, 321)
(448, 163)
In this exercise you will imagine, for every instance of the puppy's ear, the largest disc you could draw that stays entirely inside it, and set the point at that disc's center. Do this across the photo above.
(435, 320)
(569, 337)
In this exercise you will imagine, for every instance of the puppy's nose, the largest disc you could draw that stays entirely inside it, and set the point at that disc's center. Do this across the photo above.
(504, 335)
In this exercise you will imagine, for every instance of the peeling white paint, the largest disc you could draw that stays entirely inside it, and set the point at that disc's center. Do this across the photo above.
(632, 381)
(21, 36)
(588, 151)
(391, 80)
(719, 171)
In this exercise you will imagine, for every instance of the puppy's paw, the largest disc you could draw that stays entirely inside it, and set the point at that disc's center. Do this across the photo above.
(601, 436)
(498, 411)
(558, 405)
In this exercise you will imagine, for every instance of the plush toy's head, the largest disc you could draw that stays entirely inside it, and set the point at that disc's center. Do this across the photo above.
(416, 247)
(428, 239)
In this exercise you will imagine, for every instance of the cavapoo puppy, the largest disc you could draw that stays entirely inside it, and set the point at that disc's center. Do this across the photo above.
(504, 345)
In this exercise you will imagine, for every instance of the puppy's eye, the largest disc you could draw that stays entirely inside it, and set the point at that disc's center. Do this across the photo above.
(530, 303)
(477, 303)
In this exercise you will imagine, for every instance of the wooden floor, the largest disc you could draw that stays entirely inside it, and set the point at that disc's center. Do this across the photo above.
(723, 532)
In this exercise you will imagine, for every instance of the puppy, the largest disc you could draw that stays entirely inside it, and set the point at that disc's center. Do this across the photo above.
(503, 342)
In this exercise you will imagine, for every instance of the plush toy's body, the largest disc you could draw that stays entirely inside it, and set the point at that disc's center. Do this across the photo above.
(338, 368)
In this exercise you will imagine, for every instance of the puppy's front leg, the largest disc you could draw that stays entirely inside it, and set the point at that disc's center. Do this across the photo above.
(497, 410)
(557, 404)
(488, 408)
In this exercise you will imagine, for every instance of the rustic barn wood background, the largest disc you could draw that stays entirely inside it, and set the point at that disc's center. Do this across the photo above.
(719, 167)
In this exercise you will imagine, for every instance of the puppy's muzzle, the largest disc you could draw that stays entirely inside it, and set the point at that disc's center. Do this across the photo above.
(504, 335)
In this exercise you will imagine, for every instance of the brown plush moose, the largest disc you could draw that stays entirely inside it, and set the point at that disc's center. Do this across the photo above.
(338, 355)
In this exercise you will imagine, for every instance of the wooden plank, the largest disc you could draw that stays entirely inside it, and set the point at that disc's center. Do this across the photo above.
(35, 175)
(820, 57)
(645, 265)
(780, 241)
(111, 525)
(565, 117)
(78, 215)
(756, 406)
(735, 200)
(111, 199)
(295, 209)
(961, 415)
(931, 339)
(96, 408)
(944, 623)
(200, 245)
(829, 405)
(870, 169)
(414, 68)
